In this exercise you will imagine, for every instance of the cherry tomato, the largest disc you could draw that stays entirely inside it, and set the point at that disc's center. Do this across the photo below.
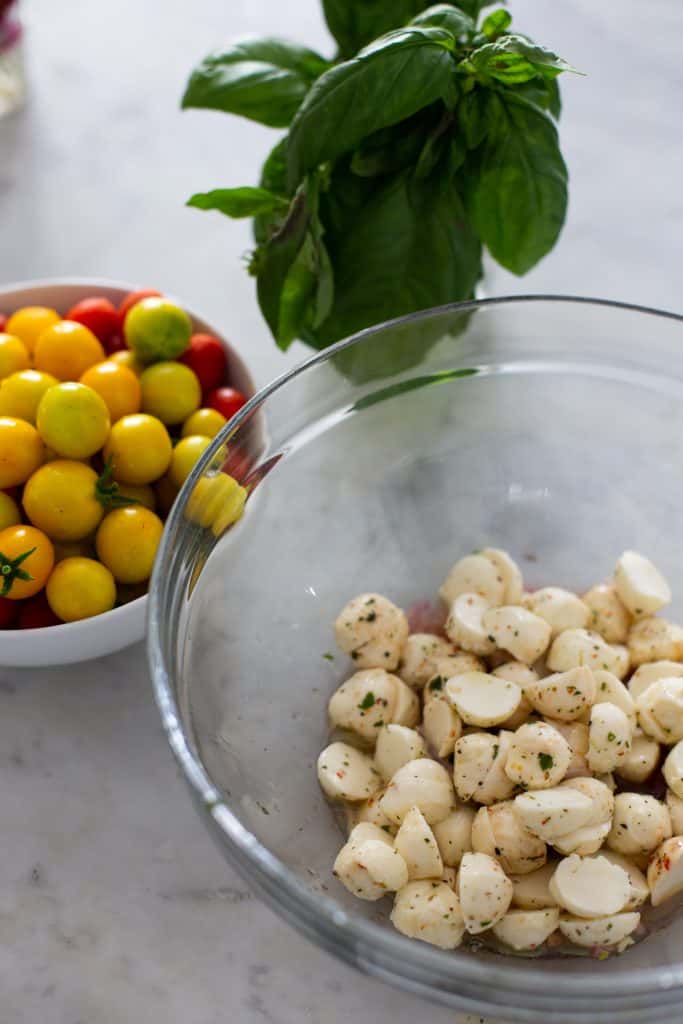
(3, 321)
(84, 548)
(127, 543)
(24, 552)
(20, 393)
(156, 329)
(80, 588)
(140, 449)
(21, 451)
(73, 419)
(29, 323)
(124, 357)
(36, 613)
(185, 454)
(116, 344)
(206, 356)
(132, 299)
(61, 500)
(216, 502)
(170, 391)
(227, 401)
(207, 422)
(13, 355)
(97, 314)
(66, 350)
(9, 511)
(8, 612)
(117, 385)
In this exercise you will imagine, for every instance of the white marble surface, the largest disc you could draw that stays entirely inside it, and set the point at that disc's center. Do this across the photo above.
(114, 905)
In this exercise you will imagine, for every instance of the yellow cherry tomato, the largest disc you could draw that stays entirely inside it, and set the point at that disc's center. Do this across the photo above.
(166, 493)
(185, 454)
(21, 392)
(117, 385)
(66, 350)
(140, 449)
(61, 500)
(13, 355)
(170, 391)
(30, 322)
(21, 451)
(206, 422)
(216, 502)
(9, 511)
(80, 588)
(128, 359)
(127, 543)
(73, 419)
(26, 560)
(142, 494)
(84, 548)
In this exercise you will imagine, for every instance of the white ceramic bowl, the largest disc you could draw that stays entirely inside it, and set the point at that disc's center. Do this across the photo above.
(103, 634)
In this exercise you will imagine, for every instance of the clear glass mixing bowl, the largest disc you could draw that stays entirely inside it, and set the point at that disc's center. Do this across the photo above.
(548, 426)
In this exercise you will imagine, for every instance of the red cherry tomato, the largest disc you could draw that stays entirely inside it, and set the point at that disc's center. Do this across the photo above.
(99, 315)
(8, 612)
(227, 401)
(206, 356)
(132, 299)
(35, 613)
(3, 322)
(115, 344)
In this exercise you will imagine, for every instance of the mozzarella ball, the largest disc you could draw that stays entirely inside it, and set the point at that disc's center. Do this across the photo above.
(673, 769)
(396, 745)
(609, 737)
(429, 911)
(481, 699)
(372, 630)
(345, 773)
(619, 660)
(551, 813)
(641, 823)
(407, 708)
(473, 574)
(641, 760)
(565, 696)
(640, 586)
(465, 624)
(590, 886)
(675, 806)
(600, 796)
(496, 785)
(365, 830)
(479, 767)
(560, 608)
(370, 869)
(422, 783)
(365, 702)
(523, 676)
(532, 892)
(454, 835)
(611, 690)
(416, 843)
(370, 811)
(652, 672)
(584, 841)
(539, 756)
(498, 832)
(590, 837)
(524, 930)
(484, 890)
(525, 635)
(576, 647)
(509, 572)
(660, 710)
(640, 892)
(576, 735)
(655, 640)
(608, 616)
(419, 656)
(665, 871)
(441, 726)
(450, 877)
(601, 931)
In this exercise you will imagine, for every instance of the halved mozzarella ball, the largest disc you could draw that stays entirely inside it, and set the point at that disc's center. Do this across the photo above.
(560, 608)
(551, 813)
(396, 745)
(370, 869)
(665, 871)
(608, 616)
(441, 726)
(673, 769)
(365, 702)
(641, 760)
(484, 890)
(619, 660)
(584, 841)
(675, 806)
(450, 877)
(565, 696)
(419, 656)
(524, 930)
(421, 783)
(660, 710)
(370, 811)
(640, 585)
(539, 756)
(652, 672)
(525, 635)
(454, 835)
(365, 830)
(407, 708)
(429, 911)
(509, 572)
(532, 892)
(655, 640)
(582, 647)
(600, 796)
(417, 845)
(473, 574)
(576, 735)
(479, 767)
(590, 886)
(519, 673)
(640, 892)
(345, 773)
(497, 786)
(609, 737)
(601, 931)
(498, 831)
(640, 824)
(483, 700)
(372, 630)
(465, 624)
(611, 690)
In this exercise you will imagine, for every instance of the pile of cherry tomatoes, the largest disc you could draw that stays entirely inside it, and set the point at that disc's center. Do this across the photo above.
(103, 414)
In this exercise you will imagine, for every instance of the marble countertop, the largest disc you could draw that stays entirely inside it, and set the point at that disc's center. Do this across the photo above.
(114, 905)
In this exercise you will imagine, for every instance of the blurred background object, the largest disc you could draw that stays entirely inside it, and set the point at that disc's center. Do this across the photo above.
(12, 77)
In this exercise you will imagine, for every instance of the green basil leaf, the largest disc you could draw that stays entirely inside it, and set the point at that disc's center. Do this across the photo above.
(554, 97)
(514, 58)
(239, 202)
(274, 260)
(447, 16)
(355, 23)
(298, 290)
(262, 79)
(496, 23)
(457, 152)
(436, 146)
(543, 92)
(392, 149)
(387, 82)
(517, 184)
(273, 178)
(473, 114)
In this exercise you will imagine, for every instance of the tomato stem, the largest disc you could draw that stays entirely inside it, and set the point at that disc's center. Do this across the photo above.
(108, 492)
(10, 570)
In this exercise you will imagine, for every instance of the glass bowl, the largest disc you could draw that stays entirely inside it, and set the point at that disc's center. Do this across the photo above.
(548, 426)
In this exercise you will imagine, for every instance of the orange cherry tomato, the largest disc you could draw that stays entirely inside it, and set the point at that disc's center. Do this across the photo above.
(26, 561)
(66, 350)
(117, 385)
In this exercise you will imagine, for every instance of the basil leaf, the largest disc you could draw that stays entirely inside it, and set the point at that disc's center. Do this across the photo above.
(513, 58)
(554, 97)
(435, 147)
(392, 149)
(273, 262)
(298, 290)
(355, 23)
(273, 178)
(386, 83)
(447, 16)
(473, 117)
(543, 92)
(496, 23)
(262, 79)
(239, 202)
(517, 184)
